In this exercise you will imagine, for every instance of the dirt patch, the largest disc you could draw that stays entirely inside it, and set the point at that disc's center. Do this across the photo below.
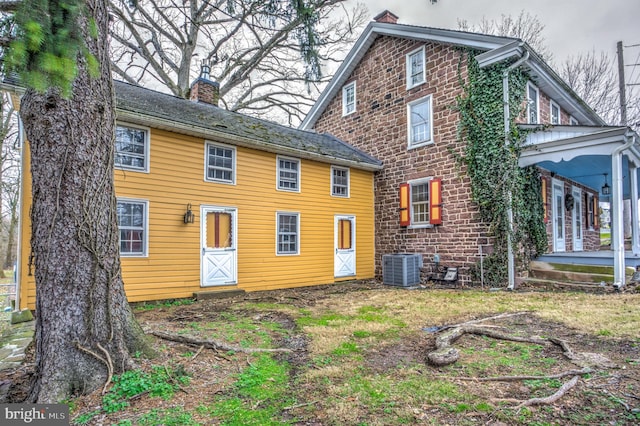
(408, 351)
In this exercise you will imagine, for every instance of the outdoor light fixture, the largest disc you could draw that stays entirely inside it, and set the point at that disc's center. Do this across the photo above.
(606, 189)
(188, 216)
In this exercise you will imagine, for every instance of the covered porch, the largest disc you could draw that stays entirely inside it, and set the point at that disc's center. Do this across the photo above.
(605, 159)
(599, 258)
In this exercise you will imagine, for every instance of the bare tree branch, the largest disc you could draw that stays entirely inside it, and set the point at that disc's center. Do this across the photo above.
(247, 43)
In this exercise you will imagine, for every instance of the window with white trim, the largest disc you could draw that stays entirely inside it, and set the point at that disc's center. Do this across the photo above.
(220, 163)
(133, 226)
(419, 202)
(288, 174)
(420, 120)
(573, 122)
(288, 235)
(533, 104)
(339, 181)
(132, 148)
(590, 213)
(416, 74)
(349, 98)
(554, 112)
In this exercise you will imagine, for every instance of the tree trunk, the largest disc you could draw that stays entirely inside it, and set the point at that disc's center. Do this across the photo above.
(85, 330)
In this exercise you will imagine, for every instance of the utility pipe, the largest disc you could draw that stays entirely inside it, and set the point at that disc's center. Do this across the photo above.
(511, 264)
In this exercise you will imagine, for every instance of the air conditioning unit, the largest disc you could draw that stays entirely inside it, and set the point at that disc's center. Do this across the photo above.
(401, 269)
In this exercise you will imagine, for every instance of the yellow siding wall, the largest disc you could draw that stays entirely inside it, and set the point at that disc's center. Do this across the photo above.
(176, 178)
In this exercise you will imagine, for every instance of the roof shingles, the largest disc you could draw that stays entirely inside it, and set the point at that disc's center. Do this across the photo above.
(261, 134)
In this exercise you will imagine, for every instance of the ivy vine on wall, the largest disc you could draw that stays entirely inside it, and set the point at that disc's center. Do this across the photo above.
(492, 165)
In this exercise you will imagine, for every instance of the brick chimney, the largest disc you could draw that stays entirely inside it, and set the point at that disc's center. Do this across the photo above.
(203, 89)
(386, 17)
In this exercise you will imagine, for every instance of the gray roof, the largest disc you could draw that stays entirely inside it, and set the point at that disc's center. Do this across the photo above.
(137, 105)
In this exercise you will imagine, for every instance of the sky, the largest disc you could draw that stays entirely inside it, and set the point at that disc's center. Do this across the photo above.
(571, 26)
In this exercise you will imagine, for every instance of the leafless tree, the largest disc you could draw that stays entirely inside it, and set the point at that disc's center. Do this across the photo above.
(9, 179)
(525, 26)
(258, 50)
(593, 77)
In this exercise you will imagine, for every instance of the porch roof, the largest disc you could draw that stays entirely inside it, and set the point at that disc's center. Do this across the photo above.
(581, 153)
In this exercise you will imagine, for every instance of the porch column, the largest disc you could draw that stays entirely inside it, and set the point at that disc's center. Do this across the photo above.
(617, 228)
(635, 227)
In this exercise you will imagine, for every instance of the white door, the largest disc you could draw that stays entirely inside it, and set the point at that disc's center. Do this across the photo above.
(345, 246)
(576, 219)
(218, 235)
(558, 216)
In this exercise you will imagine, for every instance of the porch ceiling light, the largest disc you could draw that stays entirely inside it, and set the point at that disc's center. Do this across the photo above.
(606, 189)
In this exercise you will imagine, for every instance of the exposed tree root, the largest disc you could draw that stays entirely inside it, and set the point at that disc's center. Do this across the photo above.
(495, 317)
(585, 370)
(445, 354)
(197, 353)
(212, 344)
(551, 398)
(107, 362)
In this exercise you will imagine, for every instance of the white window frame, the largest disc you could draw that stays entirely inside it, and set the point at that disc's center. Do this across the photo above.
(412, 184)
(145, 167)
(429, 139)
(144, 228)
(529, 102)
(591, 214)
(553, 105)
(234, 153)
(573, 121)
(335, 185)
(410, 83)
(348, 107)
(279, 170)
(279, 214)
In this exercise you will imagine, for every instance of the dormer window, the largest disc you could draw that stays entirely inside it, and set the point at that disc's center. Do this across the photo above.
(533, 104)
(416, 68)
(573, 122)
(349, 98)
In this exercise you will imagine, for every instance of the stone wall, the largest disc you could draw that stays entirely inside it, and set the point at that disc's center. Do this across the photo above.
(379, 127)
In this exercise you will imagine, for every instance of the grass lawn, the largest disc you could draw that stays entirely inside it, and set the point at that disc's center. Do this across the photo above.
(358, 357)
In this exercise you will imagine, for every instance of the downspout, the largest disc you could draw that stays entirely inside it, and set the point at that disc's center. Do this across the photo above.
(617, 238)
(511, 264)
